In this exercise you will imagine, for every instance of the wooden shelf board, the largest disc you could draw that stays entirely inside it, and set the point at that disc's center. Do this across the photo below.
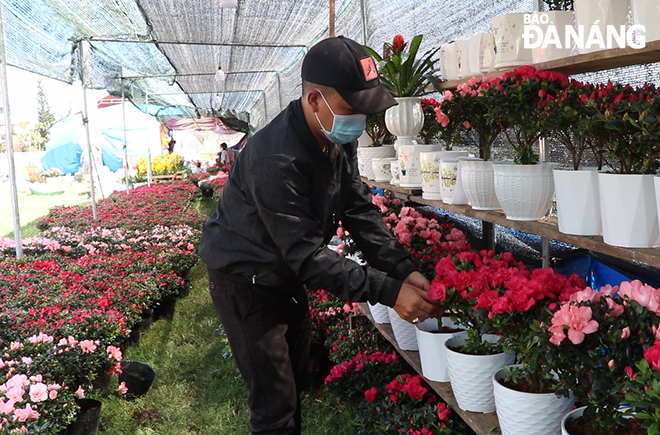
(482, 424)
(589, 62)
(545, 228)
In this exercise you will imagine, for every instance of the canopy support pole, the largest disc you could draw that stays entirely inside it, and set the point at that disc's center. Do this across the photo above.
(363, 10)
(149, 179)
(331, 30)
(8, 141)
(86, 124)
(279, 90)
(127, 169)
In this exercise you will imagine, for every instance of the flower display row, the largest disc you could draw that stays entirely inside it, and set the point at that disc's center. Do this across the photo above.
(80, 291)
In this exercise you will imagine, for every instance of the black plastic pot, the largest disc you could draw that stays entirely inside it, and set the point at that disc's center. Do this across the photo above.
(138, 378)
(87, 422)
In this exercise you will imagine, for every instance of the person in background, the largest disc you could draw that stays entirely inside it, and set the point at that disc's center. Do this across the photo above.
(226, 155)
(291, 185)
(170, 146)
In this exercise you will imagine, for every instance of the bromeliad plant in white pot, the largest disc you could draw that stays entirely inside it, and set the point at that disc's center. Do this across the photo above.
(627, 124)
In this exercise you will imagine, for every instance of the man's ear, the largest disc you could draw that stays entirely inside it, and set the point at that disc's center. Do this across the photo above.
(313, 98)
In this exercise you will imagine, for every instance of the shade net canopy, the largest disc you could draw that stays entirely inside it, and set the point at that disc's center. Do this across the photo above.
(164, 54)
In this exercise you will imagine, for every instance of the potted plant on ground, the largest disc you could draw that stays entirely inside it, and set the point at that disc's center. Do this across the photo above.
(626, 122)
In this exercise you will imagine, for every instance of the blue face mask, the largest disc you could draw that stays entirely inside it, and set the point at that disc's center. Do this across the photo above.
(345, 128)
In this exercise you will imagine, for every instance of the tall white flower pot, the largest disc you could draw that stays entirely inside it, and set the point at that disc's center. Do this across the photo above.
(396, 173)
(474, 60)
(509, 43)
(578, 201)
(471, 376)
(448, 61)
(628, 210)
(431, 178)
(646, 13)
(601, 14)
(410, 166)
(405, 120)
(520, 413)
(366, 155)
(525, 192)
(571, 415)
(557, 20)
(379, 313)
(463, 58)
(478, 180)
(432, 353)
(487, 53)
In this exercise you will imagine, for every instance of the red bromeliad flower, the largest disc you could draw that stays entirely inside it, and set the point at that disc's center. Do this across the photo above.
(398, 44)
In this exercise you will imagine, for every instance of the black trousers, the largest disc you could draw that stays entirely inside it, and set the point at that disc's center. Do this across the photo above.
(269, 334)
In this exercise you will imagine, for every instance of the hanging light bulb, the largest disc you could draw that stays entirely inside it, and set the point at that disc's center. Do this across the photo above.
(231, 4)
(220, 76)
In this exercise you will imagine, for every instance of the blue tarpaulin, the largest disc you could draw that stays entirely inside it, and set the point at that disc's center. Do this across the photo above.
(65, 147)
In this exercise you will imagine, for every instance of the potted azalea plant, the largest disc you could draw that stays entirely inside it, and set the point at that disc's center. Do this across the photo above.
(524, 189)
(597, 337)
(626, 121)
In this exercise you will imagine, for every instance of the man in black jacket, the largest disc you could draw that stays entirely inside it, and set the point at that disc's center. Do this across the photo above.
(288, 189)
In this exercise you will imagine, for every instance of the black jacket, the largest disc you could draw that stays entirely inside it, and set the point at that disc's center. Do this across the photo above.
(281, 206)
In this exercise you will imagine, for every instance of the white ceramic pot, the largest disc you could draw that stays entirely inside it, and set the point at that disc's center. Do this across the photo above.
(521, 413)
(479, 184)
(396, 172)
(578, 201)
(572, 415)
(471, 376)
(474, 65)
(405, 332)
(381, 168)
(430, 164)
(367, 154)
(463, 58)
(525, 192)
(509, 43)
(448, 62)
(628, 210)
(646, 13)
(379, 313)
(405, 120)
(601, 14)
(410, 166)
(448, 178)
(487, 53)
(432, 354)
(557, 48)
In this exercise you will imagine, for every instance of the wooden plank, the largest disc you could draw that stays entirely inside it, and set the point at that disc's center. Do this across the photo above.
(482, 424)
(408, 192)
(589, 62)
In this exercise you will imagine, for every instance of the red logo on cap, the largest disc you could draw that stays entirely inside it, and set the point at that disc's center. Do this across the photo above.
(369, 68)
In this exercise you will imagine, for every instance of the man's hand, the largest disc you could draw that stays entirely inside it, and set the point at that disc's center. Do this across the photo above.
(413, 303)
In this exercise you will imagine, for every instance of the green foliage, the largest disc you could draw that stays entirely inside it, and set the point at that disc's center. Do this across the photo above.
(559, 5)
(377, 130)
(402, 74)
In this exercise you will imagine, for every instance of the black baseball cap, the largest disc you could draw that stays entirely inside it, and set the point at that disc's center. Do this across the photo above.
(347, 66)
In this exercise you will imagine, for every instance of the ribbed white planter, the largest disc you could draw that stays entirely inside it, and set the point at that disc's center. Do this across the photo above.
(646, 13)
(463, 58)
(410, 166)
(525, 192)
(404, 331)
(381, 168)
(405, 120)
(432, 351)
(560, 20)
(601, 13)
(471, 376)
(509, 43)
(572, 415)
(448, 62)
(521, 413)
(379, 313)
(628, 210)
(367, 154)
(578, 201)
(479, 184)
(430, 164)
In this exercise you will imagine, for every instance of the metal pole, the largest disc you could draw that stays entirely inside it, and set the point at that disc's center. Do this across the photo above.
(279, 90)
(127, 169)
(86, 124)
(332, 19)
(363, 10)
(9, 142)
(149, 180)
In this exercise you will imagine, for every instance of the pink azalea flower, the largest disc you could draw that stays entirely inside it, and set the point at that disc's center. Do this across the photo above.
(38, 392)
(80, 392)
(123, 389)
(25, 414)
(87, 346)
(578, 320)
